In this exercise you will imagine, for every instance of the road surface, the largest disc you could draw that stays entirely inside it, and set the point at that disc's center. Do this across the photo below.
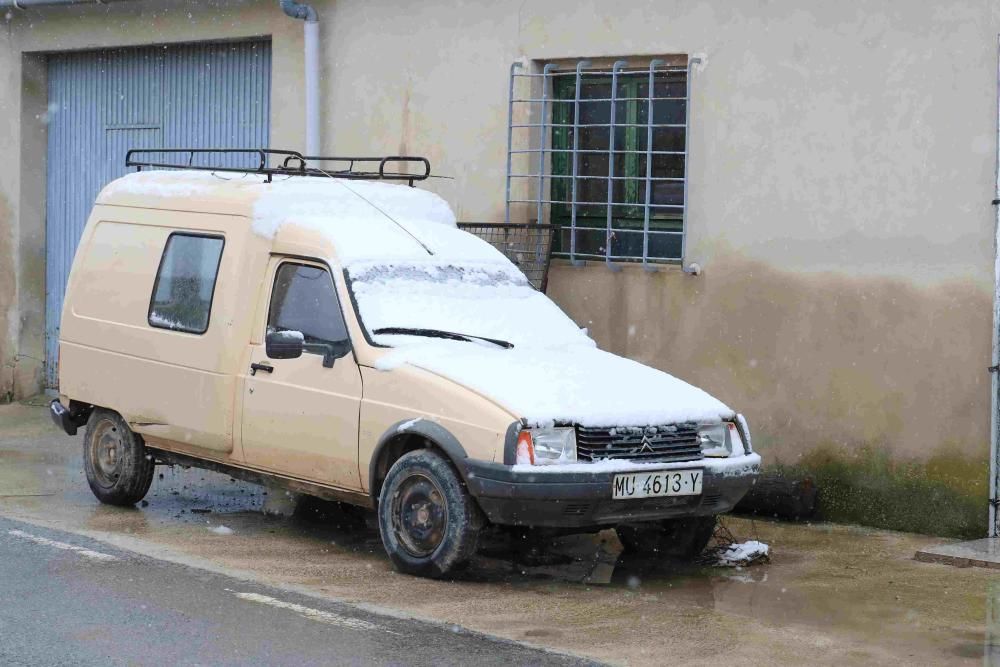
(68, 600)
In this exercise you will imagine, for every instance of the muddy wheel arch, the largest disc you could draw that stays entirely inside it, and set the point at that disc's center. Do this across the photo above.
(407, 436)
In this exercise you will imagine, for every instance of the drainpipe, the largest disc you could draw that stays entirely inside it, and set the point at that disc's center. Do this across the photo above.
(994, 519)
(306, 13)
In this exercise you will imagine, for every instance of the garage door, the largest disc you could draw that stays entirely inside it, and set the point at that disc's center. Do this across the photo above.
(102, 103)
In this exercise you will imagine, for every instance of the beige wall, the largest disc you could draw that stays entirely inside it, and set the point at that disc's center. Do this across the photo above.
(9, 135)
(842, 164)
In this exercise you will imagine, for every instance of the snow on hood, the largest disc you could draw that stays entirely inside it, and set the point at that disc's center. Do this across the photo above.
(576, 384)
(554, 373)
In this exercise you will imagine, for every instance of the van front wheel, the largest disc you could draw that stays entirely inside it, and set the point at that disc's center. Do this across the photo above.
(118, 466)
(429, 523)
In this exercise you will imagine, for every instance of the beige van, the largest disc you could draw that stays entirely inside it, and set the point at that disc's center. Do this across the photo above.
(340, 337)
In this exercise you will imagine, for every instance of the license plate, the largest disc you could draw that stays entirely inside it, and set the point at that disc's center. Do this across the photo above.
(657, 484)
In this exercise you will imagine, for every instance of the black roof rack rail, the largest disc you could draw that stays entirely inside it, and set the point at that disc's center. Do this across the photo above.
(292, 163)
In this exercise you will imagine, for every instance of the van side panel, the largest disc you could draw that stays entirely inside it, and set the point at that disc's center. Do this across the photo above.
(169, 385)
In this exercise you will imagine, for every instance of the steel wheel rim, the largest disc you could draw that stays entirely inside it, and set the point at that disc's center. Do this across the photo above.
(419, 515)
(106, 449)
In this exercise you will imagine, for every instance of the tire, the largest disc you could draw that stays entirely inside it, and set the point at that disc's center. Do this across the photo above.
(118, 466)
(681, 539)
(428, 521)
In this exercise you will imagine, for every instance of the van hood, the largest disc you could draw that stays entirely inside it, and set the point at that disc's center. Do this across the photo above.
(577, 384)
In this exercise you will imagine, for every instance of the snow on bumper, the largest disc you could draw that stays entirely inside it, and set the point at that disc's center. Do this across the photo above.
(579, 495)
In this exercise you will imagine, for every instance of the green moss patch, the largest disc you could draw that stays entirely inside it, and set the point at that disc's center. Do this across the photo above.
(946, 495)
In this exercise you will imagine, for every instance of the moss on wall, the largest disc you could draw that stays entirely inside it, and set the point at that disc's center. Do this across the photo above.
(945, 495)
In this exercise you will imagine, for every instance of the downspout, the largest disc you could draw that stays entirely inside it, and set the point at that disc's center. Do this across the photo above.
(306, 13)
(994, 519)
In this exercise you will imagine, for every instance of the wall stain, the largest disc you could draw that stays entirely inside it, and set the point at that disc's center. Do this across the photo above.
(404, 123)
(8, 303)
(815, 361)
(946, 495)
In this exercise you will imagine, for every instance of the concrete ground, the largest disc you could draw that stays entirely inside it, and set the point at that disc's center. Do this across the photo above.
(830, 595)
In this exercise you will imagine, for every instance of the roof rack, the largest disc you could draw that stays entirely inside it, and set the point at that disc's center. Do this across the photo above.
(292, 163)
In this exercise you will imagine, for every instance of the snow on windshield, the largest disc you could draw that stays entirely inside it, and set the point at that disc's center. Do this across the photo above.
(493, 301)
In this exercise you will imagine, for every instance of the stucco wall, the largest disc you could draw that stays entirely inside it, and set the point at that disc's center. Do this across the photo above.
(841, 167)
(10, 72)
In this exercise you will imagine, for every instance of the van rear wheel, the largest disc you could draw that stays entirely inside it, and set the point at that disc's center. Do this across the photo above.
(118, 466)
(428, 521)
(681, 539)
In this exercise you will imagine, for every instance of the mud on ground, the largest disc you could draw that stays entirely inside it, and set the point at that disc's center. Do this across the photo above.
(831, 594)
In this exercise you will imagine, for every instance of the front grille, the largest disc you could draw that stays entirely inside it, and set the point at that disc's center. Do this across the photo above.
(673, 442)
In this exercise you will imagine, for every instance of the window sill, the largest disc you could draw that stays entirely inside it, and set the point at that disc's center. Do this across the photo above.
(616, 266)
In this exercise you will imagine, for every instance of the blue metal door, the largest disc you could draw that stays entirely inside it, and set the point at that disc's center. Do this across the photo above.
(102, 103)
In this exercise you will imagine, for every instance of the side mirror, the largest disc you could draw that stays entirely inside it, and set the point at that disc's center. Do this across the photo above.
(284, 344)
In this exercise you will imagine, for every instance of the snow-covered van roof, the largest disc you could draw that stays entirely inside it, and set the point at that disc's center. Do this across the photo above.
(364, 221)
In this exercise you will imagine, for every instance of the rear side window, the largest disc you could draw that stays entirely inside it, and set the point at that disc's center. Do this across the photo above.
(185, 283)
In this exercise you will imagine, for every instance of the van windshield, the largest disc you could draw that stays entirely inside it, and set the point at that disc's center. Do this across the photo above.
(478, 301)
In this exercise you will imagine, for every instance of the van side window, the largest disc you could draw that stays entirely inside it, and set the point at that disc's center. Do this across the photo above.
(304, 300)
(185, 283)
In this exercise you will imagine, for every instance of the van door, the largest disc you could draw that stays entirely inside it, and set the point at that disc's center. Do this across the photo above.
(300, 416)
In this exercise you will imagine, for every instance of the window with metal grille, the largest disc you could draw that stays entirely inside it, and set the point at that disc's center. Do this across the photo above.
(608, 164)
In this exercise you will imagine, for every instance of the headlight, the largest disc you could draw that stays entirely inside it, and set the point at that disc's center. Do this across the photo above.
(545, 446)
(713, 440)
(720, 440)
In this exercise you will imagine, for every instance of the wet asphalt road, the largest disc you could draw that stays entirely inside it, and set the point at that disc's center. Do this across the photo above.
(68, 600)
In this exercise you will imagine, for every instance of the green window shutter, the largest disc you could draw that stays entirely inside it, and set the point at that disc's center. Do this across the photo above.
(629, 183)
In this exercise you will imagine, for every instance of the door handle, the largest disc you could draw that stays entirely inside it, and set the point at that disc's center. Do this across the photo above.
(267, 368)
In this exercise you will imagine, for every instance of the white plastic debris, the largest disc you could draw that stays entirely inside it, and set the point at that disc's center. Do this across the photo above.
(221, 530)
(744, 553)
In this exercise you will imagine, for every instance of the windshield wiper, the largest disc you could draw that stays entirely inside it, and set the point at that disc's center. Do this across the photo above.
(438, 333)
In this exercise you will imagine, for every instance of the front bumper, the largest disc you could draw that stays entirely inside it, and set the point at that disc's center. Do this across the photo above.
(553, 498)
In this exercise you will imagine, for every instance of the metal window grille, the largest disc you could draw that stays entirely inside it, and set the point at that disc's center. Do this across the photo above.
(601, 154)
(529, 246)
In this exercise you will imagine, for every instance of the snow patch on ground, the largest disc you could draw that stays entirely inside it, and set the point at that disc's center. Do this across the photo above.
(744, 553)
